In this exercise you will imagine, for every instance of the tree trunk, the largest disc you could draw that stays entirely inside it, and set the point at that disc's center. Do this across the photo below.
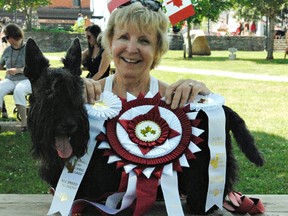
(28, 19)
(270, 39)
(189, 40)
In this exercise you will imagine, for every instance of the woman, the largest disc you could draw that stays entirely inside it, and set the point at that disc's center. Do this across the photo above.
(95, 58)
(13, 58)
(136, 37)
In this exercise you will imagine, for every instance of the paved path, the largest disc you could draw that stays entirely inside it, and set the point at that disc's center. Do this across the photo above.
(235, 75)
(38, 205)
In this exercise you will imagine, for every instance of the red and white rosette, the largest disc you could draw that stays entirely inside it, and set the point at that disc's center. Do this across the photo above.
(151, 142)
(108, 106)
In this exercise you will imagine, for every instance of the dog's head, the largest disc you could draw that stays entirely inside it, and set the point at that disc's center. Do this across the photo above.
(57, 119)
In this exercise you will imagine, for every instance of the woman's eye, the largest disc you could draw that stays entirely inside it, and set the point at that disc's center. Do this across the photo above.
(123, 37)
(144, 41)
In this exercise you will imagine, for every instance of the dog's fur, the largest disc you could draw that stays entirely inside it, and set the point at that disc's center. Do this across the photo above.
(57, 110)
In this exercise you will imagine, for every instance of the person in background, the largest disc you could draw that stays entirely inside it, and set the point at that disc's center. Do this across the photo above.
(253, 28)
(95, 58)
(80, 20)
(246, 30)
(4, 111)
(13, 58)
(239, 29)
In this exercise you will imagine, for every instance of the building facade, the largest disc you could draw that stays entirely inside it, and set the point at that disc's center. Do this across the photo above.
(64, 13)
(60, 13)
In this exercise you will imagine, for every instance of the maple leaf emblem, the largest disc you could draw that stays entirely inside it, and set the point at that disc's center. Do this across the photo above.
(215, 161)
(177, 3)
(147, 130)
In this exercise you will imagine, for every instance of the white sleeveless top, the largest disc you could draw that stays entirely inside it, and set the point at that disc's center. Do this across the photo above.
(154, 88)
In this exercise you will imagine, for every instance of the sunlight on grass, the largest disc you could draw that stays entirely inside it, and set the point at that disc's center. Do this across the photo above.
(246, 62)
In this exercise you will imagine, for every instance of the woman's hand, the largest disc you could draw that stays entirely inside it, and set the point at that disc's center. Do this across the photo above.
(13, 71)
(92, 90)
(184, 91)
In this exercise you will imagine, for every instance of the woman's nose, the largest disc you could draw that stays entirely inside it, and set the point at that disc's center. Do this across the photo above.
(132, 46)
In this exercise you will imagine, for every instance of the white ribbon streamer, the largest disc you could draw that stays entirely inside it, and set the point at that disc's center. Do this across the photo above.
(217, 164)
(69, 183)
(169, 186)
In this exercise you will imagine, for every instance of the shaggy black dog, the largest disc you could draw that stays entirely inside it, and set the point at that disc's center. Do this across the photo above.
(59, 129)
(57, 119)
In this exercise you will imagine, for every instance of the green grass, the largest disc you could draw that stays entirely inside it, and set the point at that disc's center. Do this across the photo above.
(246, 62)
(262, 104)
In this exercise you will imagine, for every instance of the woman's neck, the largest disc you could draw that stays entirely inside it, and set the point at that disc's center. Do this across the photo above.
(18, 44)
(122, 86)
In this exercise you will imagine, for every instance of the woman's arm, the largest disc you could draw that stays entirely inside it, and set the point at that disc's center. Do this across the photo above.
(104, 64)
(13, 71)
(177, 94)
(85, 54)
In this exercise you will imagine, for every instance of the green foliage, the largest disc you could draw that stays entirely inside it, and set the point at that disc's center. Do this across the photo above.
(210, 9)
(25, 6)
(262, 7)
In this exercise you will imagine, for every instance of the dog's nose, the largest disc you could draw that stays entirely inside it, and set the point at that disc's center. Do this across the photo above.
(68, 126)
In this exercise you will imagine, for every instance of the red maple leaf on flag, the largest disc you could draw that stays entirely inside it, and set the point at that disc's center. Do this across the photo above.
(177, 3)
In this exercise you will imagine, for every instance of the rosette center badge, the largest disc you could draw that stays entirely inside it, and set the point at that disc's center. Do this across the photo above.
(147, 131)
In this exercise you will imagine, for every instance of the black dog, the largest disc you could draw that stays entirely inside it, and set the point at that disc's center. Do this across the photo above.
(57, 118)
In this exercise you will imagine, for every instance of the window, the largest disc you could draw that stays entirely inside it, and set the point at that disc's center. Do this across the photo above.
(76, 3)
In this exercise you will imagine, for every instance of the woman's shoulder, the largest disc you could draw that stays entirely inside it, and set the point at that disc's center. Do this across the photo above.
(162, 87)
(7, 49)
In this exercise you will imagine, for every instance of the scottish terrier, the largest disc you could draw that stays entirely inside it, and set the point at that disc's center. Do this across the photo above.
(57, 119)
(59, 129)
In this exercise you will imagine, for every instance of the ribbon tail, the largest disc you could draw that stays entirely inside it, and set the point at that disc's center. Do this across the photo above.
(146, 195)
(217, 164)
(169, 185)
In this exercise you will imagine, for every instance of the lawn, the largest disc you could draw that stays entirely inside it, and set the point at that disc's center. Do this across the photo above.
(262, 104)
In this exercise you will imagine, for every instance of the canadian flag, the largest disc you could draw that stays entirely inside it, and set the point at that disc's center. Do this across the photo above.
(113, 4)
(178, 10)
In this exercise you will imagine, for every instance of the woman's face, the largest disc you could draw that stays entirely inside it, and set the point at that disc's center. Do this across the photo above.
(133, 51)
(90, 38)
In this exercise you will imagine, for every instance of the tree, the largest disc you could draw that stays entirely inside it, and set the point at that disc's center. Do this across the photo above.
(210, 9)
(25, 6)
(270, 9)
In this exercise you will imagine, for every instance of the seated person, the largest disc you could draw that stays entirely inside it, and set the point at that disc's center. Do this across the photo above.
(15, 81)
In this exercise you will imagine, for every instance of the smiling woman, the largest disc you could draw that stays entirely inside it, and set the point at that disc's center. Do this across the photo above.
(136, 37)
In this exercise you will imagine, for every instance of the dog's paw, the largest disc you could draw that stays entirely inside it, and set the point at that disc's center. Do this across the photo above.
(258, 160)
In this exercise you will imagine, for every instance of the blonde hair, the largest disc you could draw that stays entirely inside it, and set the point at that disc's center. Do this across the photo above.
(145, 20)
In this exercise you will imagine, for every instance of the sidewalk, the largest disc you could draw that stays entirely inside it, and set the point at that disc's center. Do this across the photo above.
(236, 75)
(38, 205)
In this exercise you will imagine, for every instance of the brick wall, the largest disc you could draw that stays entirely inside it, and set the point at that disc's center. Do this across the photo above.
(69, 3)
